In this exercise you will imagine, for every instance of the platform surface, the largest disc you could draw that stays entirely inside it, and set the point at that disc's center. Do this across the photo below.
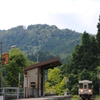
(48, 98)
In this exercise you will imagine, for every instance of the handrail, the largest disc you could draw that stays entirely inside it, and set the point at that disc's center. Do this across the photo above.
(12, 91)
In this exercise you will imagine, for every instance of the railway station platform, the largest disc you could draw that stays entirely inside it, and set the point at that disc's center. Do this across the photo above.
(49, 98)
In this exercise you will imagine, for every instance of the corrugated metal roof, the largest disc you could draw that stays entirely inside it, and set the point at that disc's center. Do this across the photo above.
(46, 64)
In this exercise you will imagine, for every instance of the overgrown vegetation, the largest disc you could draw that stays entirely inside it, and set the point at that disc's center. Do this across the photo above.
(97, 97)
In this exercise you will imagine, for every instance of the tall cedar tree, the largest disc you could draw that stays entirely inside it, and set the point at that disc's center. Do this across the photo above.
(83, 63)
(98, 35)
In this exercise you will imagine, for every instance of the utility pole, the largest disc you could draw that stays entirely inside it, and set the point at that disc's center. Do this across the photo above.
(5, 76)
(37, 57)
(1, 72)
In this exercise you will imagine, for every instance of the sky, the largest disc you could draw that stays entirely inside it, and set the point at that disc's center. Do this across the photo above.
(77, 15)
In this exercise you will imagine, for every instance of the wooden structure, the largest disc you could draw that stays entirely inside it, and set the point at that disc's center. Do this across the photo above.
(34, 75)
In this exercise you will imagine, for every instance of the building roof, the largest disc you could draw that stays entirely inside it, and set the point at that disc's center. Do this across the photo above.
(46, 64)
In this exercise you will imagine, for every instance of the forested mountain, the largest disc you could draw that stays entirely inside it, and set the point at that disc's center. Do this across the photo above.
(47, 42)
(44, 38)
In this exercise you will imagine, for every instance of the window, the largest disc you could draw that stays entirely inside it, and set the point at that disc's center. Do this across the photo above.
(81, 85)
(90, 86)
(85, 86)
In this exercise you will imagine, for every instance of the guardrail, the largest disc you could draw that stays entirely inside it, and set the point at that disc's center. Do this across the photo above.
(12, 91)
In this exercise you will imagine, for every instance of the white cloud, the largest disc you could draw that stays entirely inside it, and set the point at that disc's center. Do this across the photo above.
(25, 12)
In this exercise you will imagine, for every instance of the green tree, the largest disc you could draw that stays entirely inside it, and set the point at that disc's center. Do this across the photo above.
(54, 76)
(84, 75)
(54, 84)
(41, 38)
(85, 41)
(17, 63)
(98, 35)
(83, 63)
(61, 87)
(53, 79)
(63, 71)
(93, 45)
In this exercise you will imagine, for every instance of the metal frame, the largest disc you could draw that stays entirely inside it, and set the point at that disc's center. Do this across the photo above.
(12, 91)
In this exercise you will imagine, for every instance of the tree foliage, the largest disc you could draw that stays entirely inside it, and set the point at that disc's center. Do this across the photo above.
(54, 76)
(41, 56)
(54, 84)
(98, 35)
(41, 38)
(83, 63)
(17, 63)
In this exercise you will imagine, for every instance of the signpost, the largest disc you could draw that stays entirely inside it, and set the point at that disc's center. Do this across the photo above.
(66, 80)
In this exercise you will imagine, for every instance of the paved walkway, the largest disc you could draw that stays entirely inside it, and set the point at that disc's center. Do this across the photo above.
(49, 98)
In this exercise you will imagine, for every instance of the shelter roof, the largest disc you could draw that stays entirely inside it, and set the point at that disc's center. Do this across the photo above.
(46, 64)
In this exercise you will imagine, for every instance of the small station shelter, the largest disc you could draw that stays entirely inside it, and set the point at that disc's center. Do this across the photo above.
(34, 77)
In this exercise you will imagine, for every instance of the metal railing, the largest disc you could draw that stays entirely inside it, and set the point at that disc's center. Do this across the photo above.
(12, 91)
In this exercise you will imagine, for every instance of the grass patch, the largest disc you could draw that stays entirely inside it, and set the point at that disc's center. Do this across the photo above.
(97, 97)
(75, 97)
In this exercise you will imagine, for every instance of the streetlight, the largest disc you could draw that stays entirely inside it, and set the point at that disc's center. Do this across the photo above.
(13, 46)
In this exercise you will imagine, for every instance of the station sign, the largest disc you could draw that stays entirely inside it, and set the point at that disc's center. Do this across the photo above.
(33, 84)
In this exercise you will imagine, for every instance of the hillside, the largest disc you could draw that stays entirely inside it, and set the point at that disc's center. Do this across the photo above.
(41, 38)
